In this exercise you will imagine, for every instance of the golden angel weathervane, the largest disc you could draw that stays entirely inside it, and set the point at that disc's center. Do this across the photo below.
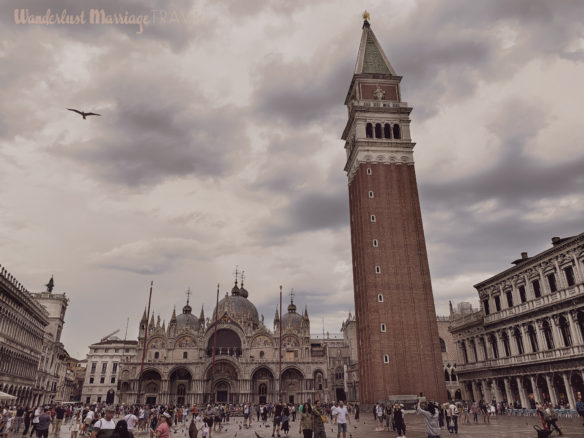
(366, 16)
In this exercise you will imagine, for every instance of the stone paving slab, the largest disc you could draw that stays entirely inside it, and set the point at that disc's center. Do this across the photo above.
(499, 427)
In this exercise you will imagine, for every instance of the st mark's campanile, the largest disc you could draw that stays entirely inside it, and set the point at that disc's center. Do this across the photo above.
(399, 347)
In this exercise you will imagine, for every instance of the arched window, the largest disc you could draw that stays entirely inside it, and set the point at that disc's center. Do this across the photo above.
(185, 355)
(387, 130)
(369, 130)
(156, 355)
(446, 375)
(547, 334)
(378, 130)
(494, 347)
(518, 340)
(453, 376)
(505, 339)
(396, 132)
(532, 338)
(565, 331)
(262, 354)
(442, 345)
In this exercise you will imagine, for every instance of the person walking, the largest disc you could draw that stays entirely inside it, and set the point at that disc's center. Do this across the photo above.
(551, 417)
(398, 420)
(319, 418)
(42, 428)
(306, 421)
(453, 418)
(341, 415)
(580, 407)
(430, 419)
(105, 426)
(27, 420)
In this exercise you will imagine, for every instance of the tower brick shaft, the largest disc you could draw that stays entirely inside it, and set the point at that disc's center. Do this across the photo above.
(398, 343)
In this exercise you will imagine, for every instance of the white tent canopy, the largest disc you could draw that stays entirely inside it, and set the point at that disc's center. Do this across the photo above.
(4, 396)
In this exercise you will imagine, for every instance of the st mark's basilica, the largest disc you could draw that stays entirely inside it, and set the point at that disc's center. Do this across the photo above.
(178, 365)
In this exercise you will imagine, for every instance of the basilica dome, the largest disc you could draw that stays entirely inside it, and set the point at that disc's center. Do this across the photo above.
(187, 319)
(238, 307)
(291, 319)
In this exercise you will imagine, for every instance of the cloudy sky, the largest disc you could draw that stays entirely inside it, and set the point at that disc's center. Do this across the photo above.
(219, 145)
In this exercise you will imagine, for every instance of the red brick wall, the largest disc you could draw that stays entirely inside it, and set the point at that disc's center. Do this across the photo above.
(408, 309)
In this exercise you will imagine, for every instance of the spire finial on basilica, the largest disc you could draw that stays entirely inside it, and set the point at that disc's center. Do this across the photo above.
(366, 16)
(188, 292)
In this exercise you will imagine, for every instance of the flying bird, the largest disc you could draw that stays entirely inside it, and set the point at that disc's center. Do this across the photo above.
(84, 114)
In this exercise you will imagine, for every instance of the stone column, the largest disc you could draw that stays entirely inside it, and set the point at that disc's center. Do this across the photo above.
(542, 344)
(577, 270)
(500, 345)
(512, 342)
(525, 336)
(556, 335)
(551, 389)
(569, 391)
(476, 394)
(498, 394)
(574, 329)
(508, 392)
(536, 391)
(521, 389)
(487, 391)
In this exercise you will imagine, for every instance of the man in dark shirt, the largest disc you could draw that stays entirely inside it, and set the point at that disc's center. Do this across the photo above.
(59, 415)
(277, 418)
(42, 428)
(18, 419)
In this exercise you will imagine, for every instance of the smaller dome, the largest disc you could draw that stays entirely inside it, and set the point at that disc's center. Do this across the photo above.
(243, 292)
(189, 320)
(291, 320)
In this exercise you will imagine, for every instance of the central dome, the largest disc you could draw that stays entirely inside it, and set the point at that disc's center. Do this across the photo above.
(239, 308)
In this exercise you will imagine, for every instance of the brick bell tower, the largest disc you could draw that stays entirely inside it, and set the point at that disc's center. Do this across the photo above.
(398, 343)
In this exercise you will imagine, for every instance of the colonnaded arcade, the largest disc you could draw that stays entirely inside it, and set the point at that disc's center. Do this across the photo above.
(526, 342)
(179, 358)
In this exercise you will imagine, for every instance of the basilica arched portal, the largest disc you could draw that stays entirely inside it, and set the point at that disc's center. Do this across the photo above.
(222, 383)
(292, 386)
(263, 386)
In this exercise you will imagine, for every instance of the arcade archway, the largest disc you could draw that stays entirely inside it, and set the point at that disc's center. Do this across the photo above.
(222, 383)
(291, 386)
(263, 387)
(151, 386)
(180, 386)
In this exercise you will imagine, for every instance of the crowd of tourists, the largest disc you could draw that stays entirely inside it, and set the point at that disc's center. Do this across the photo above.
(122, 421)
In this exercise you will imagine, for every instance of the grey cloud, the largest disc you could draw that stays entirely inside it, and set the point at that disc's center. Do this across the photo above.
(157, 128)
(300, 94)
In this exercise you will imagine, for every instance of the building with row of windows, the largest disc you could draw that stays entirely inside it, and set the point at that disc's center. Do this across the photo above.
(101, 369)
(22, 327)
(34, 365)
(526, 342)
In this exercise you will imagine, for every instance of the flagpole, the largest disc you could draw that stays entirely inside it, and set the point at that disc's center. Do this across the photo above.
(144, 346)
(280, 373)
(214, 345)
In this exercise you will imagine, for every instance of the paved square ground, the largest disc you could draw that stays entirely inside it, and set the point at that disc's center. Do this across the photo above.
(500, 426)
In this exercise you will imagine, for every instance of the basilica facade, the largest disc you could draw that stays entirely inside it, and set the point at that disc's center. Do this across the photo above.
(180, 367)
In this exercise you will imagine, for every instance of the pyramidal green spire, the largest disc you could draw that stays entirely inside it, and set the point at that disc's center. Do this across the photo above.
(371, 58)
